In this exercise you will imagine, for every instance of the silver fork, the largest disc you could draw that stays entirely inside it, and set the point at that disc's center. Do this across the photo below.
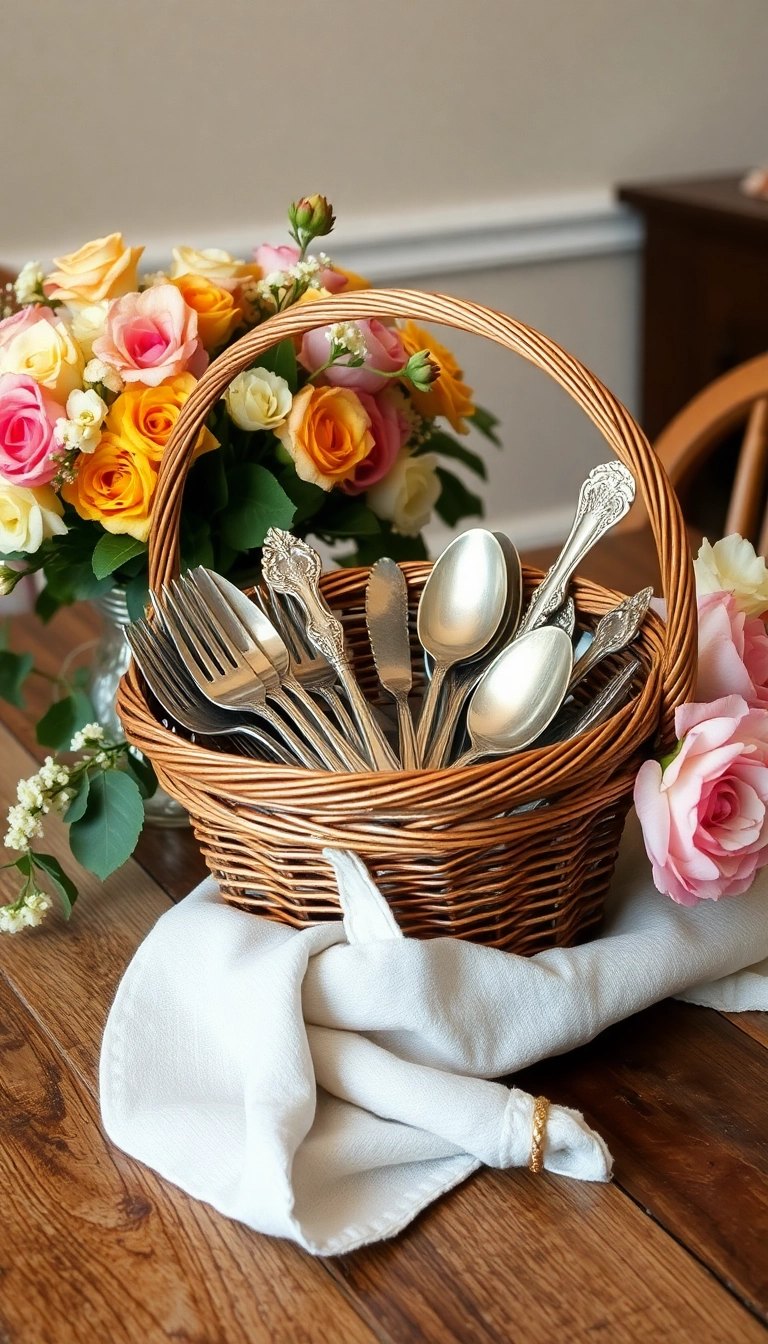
(158, 661)
(222, 673)
(243, 624)
(308, 666)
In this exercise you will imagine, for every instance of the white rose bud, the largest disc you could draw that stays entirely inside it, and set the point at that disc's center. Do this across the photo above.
(408, 493)
(87, 411)
(28, 284)
(258, 399)
(28, 516)
(87, 325)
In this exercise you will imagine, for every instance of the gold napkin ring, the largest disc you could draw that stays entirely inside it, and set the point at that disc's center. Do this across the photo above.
(540, 1109)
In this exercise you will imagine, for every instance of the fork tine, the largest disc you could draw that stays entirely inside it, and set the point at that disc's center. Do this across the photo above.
(198, 619)
(220, 612)
(196, 658)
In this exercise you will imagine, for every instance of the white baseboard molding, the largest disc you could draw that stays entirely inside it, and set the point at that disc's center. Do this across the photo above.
(437, 240)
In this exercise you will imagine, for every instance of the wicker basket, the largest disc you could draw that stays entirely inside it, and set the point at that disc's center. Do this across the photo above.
(449, 848)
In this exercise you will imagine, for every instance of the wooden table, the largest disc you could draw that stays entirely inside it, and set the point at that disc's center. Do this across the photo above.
(705, 288)
(95, 1247)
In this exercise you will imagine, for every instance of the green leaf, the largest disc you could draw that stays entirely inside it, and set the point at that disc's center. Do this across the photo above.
(137, 596)
(67, 891)
(14, 670)
(354, 519)
(63, 718)
(106, 834)
(281, 359)
(456, 501)
(257, 502)
(23, 863)
(448, 447)
(485, 422)
(195, 543)
(5, 631)
(46, 605)
(69, 563)
(308, 498)
(207, 491)
(141, 770)
(77, 807)
(113, 551)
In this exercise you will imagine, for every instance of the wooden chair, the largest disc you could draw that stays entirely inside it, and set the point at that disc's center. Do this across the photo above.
(739, 397)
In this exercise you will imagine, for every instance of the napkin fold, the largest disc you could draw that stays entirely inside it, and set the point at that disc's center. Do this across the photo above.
(326, 1084)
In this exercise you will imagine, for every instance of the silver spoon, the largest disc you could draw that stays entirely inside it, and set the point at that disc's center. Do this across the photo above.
(461, 606)
(519, 694)
(564, 617)
(463, 677)
(613, 632)
(604, 498)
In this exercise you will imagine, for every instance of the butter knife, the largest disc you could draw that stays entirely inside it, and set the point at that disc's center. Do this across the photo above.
(386, 614)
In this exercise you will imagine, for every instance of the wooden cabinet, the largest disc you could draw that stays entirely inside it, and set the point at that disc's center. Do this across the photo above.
(705, 288)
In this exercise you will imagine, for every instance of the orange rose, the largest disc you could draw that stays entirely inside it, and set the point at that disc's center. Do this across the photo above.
(327, 433)
(114, 486)
(103, 269)
(448, 395)
(217, 312)
(143, 417)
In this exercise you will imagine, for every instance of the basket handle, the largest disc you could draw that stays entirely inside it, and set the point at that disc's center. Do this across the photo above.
(615, 423)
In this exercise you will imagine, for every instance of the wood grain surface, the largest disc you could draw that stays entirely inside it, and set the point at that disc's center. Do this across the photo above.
(94, 1247)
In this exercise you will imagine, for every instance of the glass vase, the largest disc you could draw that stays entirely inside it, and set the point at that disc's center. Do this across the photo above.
(111, 657)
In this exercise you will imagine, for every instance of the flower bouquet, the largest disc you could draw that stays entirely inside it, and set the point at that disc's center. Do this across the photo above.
(339, 435)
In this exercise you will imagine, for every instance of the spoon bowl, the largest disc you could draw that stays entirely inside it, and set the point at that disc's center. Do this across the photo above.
(519, 694)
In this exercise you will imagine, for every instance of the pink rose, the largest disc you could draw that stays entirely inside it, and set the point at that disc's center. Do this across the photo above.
(11, 327)
(272, 259)
(385, 352)
(151, 336)
(733, 652)
(27, 417)
(390, 430)
(704, 816)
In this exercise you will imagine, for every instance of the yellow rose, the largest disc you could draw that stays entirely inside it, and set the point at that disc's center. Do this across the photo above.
(217, 313)
(212, 262)
(103, 269)
(48, 352)
(114, 486)
(327, 433)
(27, 517)
(448, 396)
(408, 493)
(733, 566)
(354, 281)
(143, 417)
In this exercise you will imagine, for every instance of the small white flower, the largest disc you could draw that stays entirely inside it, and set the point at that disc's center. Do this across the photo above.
(152, 278)
(28, 283)
(24, 913)
(87, 736)
(87, 411)
(346, 337)
(36, 907)
(96, 371)
(258, 399)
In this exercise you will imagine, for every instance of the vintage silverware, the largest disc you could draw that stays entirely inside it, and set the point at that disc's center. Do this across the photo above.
(291, 566)
(461, 607)
(463, 677)
(226, 680)
(613, 632)
(604, 499)
(169, 682)
(564, 617)
(386, 614)
(246, 627)
(519, 694)
(573, 721)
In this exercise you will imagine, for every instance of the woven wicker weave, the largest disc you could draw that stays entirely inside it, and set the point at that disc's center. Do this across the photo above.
(441, 844)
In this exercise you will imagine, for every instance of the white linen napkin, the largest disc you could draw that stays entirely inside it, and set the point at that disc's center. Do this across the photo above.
(326, 1084)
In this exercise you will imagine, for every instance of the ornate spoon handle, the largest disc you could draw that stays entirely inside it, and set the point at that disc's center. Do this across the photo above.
(291, 566)
(615, 630)
(604, 499)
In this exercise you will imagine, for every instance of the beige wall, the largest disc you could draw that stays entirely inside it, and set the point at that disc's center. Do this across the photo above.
(202, 118)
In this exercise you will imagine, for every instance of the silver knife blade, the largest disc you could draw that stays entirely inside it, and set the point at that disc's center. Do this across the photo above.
(386, 614)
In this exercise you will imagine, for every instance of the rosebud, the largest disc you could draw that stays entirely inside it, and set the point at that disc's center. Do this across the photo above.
(421, 370)
(312, 217)
(8, 579)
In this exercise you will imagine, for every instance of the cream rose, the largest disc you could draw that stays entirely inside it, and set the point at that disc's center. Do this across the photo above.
(27, 517)
(258, 399)
(732, 566)
(212, 262)
(103, 269)
(408, 493)
(46, 350)
(87, 325)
